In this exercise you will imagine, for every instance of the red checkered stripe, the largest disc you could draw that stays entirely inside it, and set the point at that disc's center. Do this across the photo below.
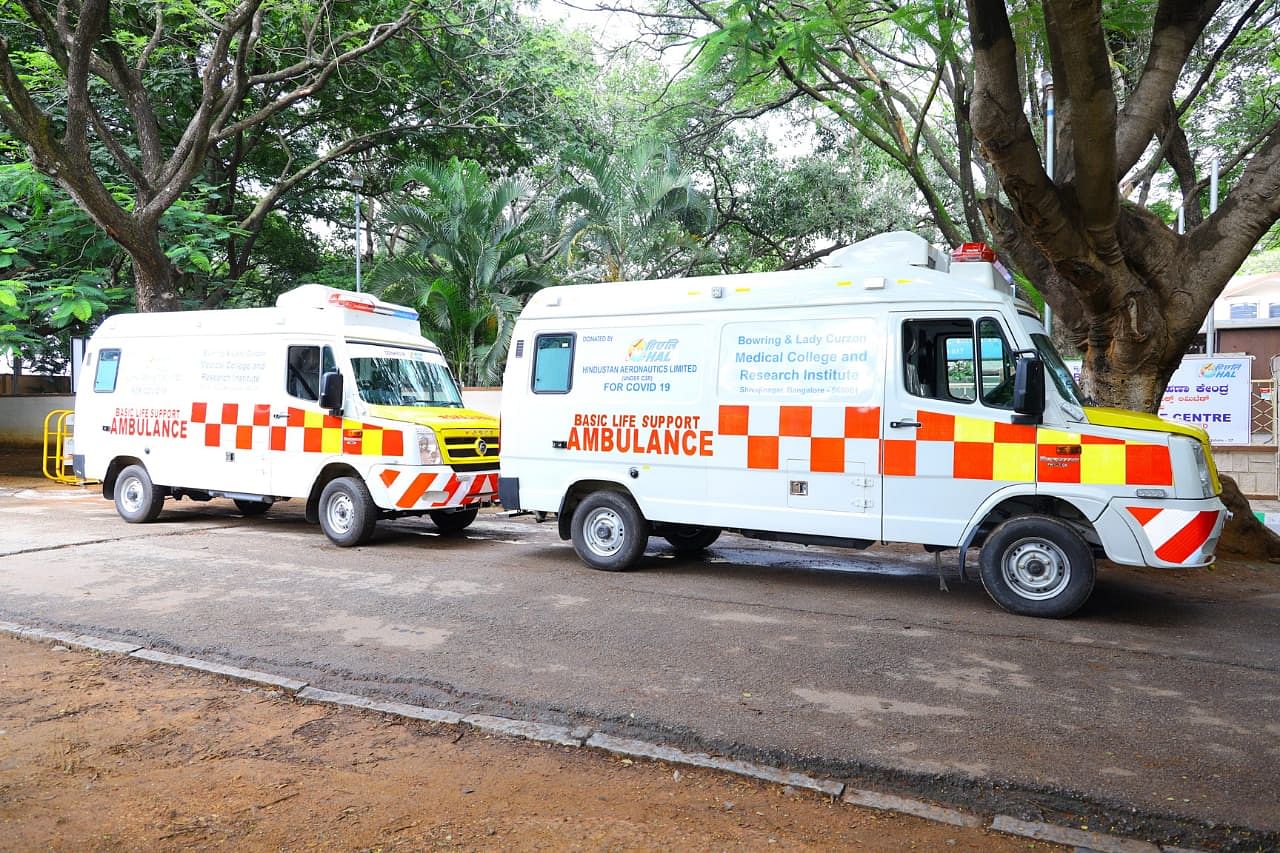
(954, 446)
(823, 435)
(250, 427)
(408, 489)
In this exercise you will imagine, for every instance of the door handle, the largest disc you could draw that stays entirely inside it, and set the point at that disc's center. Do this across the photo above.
(279, 416)
(902, 424)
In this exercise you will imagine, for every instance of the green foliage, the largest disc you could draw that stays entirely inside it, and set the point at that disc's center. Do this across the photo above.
(58, 269)
(636, 214)
(469, 262)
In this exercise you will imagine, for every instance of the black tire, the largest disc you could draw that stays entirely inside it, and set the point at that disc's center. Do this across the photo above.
(453, 522)
(347, 512)
(1037, 566)
(251, 508)
(138, 500)
(609, 533)
(687, 539)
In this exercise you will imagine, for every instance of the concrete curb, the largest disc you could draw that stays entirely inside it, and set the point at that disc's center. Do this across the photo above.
(582, 736)
(1071, 837)
(644, 749)
(400, 709)
(905, 805)
(266, 679)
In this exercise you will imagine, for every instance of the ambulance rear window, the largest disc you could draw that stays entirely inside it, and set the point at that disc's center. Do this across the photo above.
(104, 380)
(553, 364)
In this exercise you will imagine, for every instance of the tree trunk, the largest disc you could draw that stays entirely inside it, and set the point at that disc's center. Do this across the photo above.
(155, 279)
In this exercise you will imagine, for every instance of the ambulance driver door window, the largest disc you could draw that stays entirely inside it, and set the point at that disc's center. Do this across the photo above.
(302, 375)
(937, 359)
(553, 364)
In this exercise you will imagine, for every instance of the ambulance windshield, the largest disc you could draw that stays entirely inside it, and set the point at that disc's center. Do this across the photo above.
(1057, 369)
(396, 376)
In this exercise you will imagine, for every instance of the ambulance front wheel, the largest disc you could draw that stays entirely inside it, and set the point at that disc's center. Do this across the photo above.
(137, 499)
(1037, 566)
(609, 533)
(347, 512)
(453, 522)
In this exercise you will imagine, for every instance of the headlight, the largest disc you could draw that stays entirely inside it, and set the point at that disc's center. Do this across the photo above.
(1202, 466)
(428, 447)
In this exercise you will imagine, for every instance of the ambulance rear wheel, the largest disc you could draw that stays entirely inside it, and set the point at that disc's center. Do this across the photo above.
(609, 533)
(1037, 566)
(347, 512)
(687, 539)
(453, 522)
(137, 499)
(251, 508)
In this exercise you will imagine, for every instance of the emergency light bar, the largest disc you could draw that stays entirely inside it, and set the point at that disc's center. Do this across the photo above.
(369, 305)
(967, 252)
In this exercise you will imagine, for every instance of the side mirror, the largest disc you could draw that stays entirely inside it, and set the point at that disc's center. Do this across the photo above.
(331, 392)
(1028, 389)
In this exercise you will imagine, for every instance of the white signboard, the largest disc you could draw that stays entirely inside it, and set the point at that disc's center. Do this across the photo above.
(1211, 392)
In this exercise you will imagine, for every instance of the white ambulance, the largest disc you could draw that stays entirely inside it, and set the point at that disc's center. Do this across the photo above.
(330, 396)
(893, 396)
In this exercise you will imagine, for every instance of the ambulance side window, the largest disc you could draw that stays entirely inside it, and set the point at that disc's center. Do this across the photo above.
(553, 364)
(937, 360)
(997, 365)
(104, 380)
(302, 374)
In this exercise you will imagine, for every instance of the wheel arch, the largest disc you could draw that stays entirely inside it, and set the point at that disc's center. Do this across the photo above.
(1018, 502)
(117, 465)
(327, 474)
(579, 490)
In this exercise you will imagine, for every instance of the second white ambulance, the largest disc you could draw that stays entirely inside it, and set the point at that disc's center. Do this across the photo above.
(330, 396)
(894, 396)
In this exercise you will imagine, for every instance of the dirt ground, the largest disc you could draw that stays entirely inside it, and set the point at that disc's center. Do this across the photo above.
(101, 752)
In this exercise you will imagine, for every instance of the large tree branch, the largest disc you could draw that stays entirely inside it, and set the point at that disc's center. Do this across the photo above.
(1221, 243)
(1093, 123)
(1002, 131)
(322, 71)
(1177, 26)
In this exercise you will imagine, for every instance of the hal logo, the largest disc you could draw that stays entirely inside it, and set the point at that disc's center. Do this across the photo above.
(1218, 370)
(649, 351)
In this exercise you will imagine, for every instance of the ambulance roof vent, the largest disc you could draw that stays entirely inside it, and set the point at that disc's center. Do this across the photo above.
(893, 248)
(320, 297)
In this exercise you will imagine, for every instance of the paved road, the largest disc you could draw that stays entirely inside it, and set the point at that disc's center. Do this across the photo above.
(1155, 711)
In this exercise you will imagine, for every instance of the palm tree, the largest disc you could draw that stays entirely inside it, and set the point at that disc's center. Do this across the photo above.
(472, 257)
(636, 213)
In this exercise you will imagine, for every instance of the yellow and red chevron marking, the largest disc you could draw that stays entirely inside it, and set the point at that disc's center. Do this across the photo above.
(249, 427)
(1176, 535)
(407, 489)
(946, 445)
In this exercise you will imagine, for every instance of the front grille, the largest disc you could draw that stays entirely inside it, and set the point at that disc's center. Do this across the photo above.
(463, 449)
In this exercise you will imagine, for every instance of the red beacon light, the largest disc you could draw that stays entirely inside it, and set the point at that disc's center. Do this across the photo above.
(973, 252)
(369, 305)
(980, 252)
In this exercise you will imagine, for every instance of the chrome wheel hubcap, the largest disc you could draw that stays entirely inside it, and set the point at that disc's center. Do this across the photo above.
(1036, 569)
(604, 532)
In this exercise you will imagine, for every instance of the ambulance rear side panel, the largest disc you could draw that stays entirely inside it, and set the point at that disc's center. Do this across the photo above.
(750, 419)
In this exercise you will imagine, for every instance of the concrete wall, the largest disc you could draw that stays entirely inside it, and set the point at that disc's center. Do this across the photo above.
(22, 417)
(1252, 466)
(488, 400)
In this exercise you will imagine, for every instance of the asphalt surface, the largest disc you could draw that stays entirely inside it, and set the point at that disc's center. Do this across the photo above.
(1153, 712)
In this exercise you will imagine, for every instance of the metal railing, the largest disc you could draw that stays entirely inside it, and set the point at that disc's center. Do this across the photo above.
(1262, 410)
(58, 446)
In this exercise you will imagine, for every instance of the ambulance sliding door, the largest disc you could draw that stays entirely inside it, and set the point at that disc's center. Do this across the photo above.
(798, 424)
(949, 437)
